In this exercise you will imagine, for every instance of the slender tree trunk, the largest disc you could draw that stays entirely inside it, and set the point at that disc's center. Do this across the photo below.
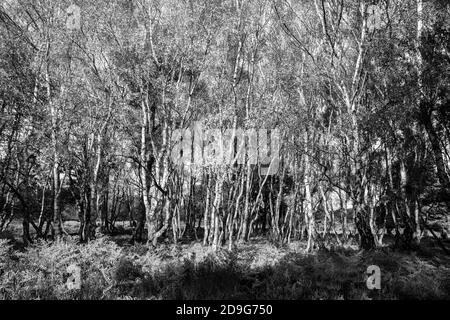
(325, 210)
(147, 163)
(206, 217)
(310, 221)
(56, 221)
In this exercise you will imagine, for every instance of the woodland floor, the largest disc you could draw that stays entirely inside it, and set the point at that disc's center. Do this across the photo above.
(114, 269)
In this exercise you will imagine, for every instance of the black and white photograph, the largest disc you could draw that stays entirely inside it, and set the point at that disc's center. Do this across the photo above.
(237, 151)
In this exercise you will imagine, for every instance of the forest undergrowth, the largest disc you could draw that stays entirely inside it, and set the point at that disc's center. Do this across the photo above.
(256, 270)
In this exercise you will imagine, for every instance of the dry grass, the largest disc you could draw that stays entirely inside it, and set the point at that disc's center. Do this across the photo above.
(257, 270)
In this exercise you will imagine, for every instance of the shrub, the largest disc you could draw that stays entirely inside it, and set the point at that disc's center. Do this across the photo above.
(111, 272)
(41, 271)
(5, 247)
